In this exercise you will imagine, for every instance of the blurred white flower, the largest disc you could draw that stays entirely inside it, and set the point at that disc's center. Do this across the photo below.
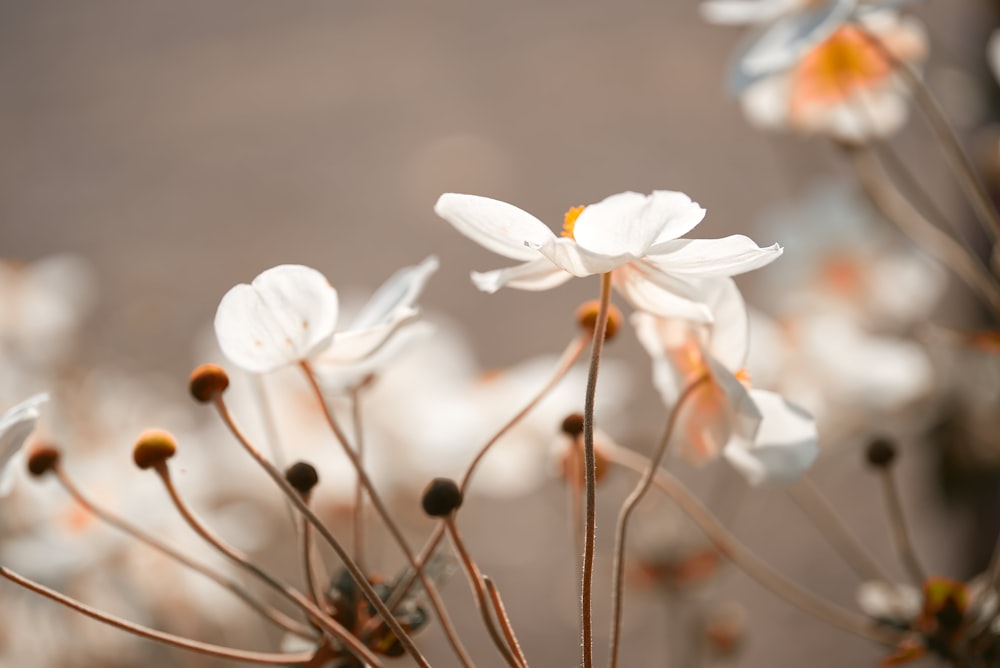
(287, 314)
(766, 438)
(844, 86)
(633, 236)
(16, 426)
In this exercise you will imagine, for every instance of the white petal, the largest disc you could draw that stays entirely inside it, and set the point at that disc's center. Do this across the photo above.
(889, 601)
(286, 314)
(629, 223)
(736, 12)
(729, 340)
(568, 255)
(397, 293)
(648, 289)
(538, 274)
(354, 345)
(766, 103)
(705, 258)
(500, 227)
(15, 427)
(786, 444)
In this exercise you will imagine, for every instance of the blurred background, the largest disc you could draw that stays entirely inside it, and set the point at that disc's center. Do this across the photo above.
(178, 148)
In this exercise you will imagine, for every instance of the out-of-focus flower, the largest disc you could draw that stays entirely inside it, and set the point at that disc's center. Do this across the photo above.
(16, 426)
(633, 236)
(844, 86)
(287, 314)
(764, 437)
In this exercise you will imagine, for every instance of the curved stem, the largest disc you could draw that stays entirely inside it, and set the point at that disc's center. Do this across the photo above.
(501, 612)
(741, 556)
(590, 466)
(626, 513)
(153, 634)
(900, 533)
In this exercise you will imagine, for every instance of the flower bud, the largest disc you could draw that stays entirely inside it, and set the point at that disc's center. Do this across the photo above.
(302, 476)
(441, 497)
(42, 459)
(154, 447)
(586, 317)
(880, 453)
(572, 426)
(207, 382)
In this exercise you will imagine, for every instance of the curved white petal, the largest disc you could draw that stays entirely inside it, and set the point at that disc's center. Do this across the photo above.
(286, 314)
(704, 258)
(498, 226)
(738, 12)
(568, 255)
(729, 337)
(396, 294)
(648, 289)
(628, 223)
(15, 426)
(538, 274)
(356, 344)
(786, 444)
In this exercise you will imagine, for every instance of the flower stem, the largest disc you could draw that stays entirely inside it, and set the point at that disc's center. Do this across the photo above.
(626, 513)
(152, 634)
(505, 625)
(741, 556)
(590, 466)
(900, 532)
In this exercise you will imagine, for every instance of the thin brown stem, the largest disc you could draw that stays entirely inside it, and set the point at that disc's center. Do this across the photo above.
(309, 563)
(383, 512)
(123, 525)
(626, 513)
(479, 591)
(153, 634)
(501, 612)
(729, 546)
(359, 577)
(809, 499)
(576, 497)
(900, 532)
(566, 362)
(590, 466)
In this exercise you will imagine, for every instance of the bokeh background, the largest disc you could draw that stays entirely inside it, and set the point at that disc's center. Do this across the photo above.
(181, 147)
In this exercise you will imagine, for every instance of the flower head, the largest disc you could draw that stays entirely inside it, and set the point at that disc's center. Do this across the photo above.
(635, 237)
(287, 314)
(15, 427)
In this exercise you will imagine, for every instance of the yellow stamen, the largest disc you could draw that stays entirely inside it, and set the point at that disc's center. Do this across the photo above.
(569, 221)
(845, 63)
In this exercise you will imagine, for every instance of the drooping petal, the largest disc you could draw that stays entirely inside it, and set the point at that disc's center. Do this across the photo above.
(705, 258)
(649, 289)
(628, 223)
(15, 427)
(729, 337)
(397, 293)
(287, 314)
(498, 226)
(568, 255)
(786, 444)
(538, 274)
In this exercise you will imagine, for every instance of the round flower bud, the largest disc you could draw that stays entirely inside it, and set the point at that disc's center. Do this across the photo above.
(207, 382)
(441, 497)
(153, 448)
(880, 453)
(586, 316)
(42, 459)
(572, 426)
(302, 476)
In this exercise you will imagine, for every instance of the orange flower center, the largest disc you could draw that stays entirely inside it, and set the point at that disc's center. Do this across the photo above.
(569, 221)
(846, 62)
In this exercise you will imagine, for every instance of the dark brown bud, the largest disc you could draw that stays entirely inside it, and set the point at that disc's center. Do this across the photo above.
(42, 459)
(880, 453)
(302, 476)
(441, 497)
(153, 447)
(586, 316)
(572, 426)
(207, 382)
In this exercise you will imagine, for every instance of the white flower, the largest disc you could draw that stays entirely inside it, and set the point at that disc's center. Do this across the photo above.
(635, 237)
(15, 427)
(766, 438)
(844, 86)
(287, 314)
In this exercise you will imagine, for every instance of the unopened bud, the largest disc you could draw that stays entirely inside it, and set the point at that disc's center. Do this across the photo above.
(586, 316)
(153, 447)
(42, 459)
(880, 453)
(572, 426)
(207, 382)
(302, 476)
(441, 497)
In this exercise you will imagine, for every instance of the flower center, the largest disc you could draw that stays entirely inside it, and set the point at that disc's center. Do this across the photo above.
(846, 62)
(569, 221)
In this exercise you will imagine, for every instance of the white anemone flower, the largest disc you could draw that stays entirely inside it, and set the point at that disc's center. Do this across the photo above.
(766, 438)
(286, 315)
(636, 237)
(16, 426)
(844, 86)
